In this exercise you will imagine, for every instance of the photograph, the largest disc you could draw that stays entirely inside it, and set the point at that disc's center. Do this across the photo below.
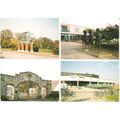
(29, 38)
(90, 81)
(29, 80)
(59, 58)
(89, 38)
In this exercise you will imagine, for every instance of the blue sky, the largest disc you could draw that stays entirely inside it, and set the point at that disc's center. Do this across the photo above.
(39, 27)
(105, 69)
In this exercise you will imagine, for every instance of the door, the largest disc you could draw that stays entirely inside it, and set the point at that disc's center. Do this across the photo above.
(10, 92)
(43, 92)
(33, 92)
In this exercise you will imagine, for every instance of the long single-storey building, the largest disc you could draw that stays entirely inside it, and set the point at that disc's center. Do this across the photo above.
(85, 79)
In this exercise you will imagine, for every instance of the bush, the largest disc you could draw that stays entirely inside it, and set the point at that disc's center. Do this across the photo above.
(35, 49)
(5, 44)
(56, 51)
(36, 46)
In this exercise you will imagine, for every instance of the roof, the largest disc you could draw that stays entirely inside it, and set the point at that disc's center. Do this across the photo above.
(86, 79)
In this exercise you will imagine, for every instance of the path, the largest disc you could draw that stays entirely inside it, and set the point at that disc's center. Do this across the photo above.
(72, 50)
(83, 94)
(9, 54)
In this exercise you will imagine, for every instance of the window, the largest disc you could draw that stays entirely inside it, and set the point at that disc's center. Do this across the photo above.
(65, 28)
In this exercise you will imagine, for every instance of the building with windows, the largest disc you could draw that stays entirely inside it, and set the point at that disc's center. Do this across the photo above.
(81, 79)
(71, 32)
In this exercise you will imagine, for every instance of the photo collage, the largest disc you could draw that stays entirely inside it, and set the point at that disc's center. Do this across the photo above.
(59, 60)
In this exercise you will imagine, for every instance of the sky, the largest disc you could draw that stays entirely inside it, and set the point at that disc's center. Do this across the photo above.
(92, 22)
(39, 27)
(47, 69)
(108, 70)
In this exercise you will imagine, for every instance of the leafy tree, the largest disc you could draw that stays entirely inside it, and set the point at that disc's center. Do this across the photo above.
(46, 43)
(18, 36)
(42, 43)
(6, 36)
(13, 43)
(36, 45)
(113, 31)
(110, 32)
(56, 47)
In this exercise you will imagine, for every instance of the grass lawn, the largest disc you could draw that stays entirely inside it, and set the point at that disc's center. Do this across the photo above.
(46, 50)
(6, 49)
(114, 97)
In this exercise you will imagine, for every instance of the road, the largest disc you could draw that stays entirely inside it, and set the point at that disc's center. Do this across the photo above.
(9, 54)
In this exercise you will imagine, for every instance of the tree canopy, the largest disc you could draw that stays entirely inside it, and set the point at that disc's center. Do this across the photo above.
(6, 36)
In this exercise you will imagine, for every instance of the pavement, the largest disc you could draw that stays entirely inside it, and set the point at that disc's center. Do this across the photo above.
(83, 94)
(75, 50)
(72, 50)
(10, 54)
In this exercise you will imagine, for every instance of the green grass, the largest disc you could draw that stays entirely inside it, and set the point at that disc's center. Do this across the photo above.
(5, 49)
(114, 97)
(45, 50)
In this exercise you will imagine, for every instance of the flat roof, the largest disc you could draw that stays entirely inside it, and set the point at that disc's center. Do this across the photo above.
(86, 79)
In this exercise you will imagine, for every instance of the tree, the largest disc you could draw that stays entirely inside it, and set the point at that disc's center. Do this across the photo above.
(42, 43)
(36, 45)
(18, 36)
(46, 43)
(113, 31)
(13, 43)
(6, 36)
(56, 47)
(110, 32)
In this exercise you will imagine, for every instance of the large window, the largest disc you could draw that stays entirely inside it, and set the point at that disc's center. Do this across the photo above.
(65, 28)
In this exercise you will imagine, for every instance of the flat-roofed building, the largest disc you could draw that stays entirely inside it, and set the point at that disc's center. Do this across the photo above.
(70, 32)
(81, 79)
